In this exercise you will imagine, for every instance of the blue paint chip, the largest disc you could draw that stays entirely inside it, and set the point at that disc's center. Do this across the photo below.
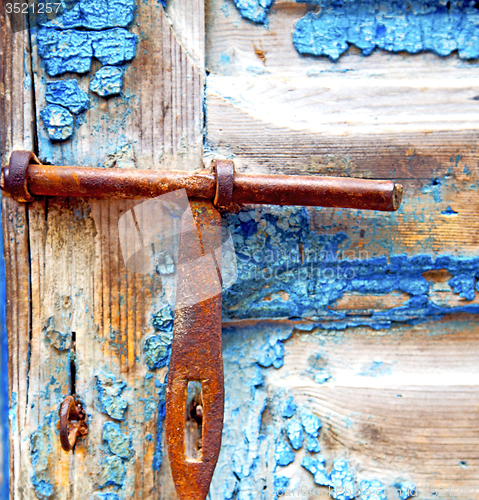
(464, 285)
(118, 443)
(294, 431)
(157, 350)
(311, 423)
(284, 454)
(163, 320)
(106, 496)
(405, 489)
(312, 444)
(393, 26)
(109, 395)
(114, 46)
(342, 481)
(254, 10)
(68, 94)
(58, 122)
(95, 15)
(322, 376)
(43, 488)
(107, 81)
(372, 490)
(113, 472)
(272, 354)
(65, 51)
(289, 408)
(449, 211)
(280, 484)
(315, 465)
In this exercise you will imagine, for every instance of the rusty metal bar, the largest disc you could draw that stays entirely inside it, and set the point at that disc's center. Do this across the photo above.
(311, 190)
(196, 353)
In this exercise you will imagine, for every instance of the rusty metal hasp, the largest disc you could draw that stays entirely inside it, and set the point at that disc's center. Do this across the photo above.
(196, 355)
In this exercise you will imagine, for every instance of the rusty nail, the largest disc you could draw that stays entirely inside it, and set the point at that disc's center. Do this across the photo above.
(73, 422)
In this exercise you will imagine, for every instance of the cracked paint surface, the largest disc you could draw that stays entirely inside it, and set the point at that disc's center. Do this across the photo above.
(287, 270)
(421, 25)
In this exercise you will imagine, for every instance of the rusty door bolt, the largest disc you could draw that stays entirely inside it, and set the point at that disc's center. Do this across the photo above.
(25, 180)
(73, 422)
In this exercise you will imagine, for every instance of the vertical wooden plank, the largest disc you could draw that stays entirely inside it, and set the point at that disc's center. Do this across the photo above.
(16, 132)
(81, 290)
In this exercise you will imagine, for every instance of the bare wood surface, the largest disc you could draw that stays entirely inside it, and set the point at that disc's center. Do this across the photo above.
(413, 419)
(16, 132)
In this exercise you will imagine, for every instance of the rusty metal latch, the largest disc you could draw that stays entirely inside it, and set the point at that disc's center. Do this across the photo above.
(197, 344)
(73, 422)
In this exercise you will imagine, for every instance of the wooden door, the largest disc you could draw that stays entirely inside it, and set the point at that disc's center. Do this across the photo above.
(350, 341)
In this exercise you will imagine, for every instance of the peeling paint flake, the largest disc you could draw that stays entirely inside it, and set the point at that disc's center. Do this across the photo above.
(118, 443)
(114, 46)
(107, 81)
(68, 94)
(65, 51)
(109, 394)
(389, 25)
(58, 122)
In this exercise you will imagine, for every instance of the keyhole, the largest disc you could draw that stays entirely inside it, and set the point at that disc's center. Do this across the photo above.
(194, 421)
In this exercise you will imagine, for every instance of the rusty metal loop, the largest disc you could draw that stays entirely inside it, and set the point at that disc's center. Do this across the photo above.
(15, 177)
(72, 422)
(225, 171)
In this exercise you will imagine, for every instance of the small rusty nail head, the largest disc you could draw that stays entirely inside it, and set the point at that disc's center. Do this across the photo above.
(73, 422)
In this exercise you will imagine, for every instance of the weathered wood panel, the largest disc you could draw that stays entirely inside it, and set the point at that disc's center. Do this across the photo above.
(17, 132)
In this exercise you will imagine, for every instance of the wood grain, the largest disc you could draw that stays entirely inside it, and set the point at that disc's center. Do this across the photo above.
(412, 418)
(17, 129)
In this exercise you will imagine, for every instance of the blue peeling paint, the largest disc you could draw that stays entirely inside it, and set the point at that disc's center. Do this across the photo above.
(161, 414)
(115, 46)
(58, 122)
(73, 50)
(394, 26)
(322, 376)
(284, 454)
(158, 347)
(312, 444)
(294, 431)
(65, 51)
(118, 443)
(106, 496)
(109, 395)
(372, 490)
(43, 488)
(40, 450)
(163, 320)
(94, 15)
(68, 94)
(405, 489)
(289, 408)
(449, 211)
(254, 10)
(311, 423)
(286, 270)
(280, 484)
(317, 468)
(157, 350)
(107, 81)
(113, 472)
